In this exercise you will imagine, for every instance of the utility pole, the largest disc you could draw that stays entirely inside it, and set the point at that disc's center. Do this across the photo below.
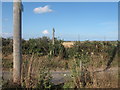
(53, 41)
(78, 37)
(104, 38)
(17, 54)
(53, 38)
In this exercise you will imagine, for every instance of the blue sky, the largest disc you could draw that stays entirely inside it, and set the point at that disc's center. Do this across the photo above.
(72, 21)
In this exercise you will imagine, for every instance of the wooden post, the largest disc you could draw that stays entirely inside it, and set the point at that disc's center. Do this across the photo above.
(80, 73)
(17, 55)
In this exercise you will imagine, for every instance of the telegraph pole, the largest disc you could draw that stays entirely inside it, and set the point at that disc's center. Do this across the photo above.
(78, 37)
(53, 41)
(17, 54)
(53, 38)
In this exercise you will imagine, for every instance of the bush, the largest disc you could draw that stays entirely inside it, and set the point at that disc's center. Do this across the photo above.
(40, 46)
(7, 46)
(44, 80)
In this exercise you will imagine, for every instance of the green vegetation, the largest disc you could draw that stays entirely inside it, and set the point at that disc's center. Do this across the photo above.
(39, 59)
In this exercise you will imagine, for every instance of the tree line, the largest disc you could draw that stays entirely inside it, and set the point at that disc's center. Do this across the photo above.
(43, 46)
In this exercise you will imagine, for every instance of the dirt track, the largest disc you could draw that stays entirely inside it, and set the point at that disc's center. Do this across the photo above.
(61, 76)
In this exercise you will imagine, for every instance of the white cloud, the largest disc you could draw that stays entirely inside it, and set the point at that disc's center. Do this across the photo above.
(45, 32)
(44, 9)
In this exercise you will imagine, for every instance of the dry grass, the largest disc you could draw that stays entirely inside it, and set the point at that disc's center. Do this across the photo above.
(100, 79)
(106, 79)
(68, 44)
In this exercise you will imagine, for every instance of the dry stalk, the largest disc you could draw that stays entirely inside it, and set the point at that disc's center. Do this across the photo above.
(28, 82)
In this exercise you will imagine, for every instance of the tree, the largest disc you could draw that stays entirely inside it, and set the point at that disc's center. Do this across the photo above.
(17, 54)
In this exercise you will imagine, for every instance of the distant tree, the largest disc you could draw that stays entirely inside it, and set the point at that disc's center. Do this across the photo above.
(7, 46)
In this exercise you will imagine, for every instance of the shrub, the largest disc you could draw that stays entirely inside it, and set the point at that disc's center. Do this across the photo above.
(7, 46)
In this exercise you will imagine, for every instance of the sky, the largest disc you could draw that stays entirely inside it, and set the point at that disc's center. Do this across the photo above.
(71, 20)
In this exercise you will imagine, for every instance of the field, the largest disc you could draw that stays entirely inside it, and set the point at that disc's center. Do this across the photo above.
(63, 65)
(68, 44)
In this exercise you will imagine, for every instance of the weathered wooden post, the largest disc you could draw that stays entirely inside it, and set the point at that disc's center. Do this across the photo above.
(17, 54)
(81, 73)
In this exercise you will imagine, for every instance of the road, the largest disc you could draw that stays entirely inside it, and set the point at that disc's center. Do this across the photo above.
(61, 76)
